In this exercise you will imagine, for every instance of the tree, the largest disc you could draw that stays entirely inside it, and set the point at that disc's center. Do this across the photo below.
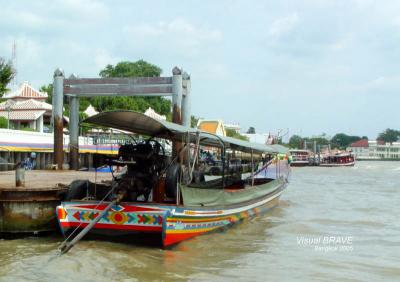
(3, 122)
(232, 133)
(318, 140)
(193, 121)
(295, 142)
(389, 135)
(139, 68)
(6, 75)
(131, 69)
(341, 140)
(251, 130)
(49, 90)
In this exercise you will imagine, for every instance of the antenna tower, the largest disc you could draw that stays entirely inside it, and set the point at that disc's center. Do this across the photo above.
(14, 64)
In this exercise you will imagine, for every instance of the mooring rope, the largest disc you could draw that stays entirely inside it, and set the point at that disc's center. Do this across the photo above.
(80, 224)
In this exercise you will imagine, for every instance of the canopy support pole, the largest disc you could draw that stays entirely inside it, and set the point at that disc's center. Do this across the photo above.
(252, 169)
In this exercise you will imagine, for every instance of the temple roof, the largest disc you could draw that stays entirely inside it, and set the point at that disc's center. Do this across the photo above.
(26, 91)
(22, 115)
(30, 104)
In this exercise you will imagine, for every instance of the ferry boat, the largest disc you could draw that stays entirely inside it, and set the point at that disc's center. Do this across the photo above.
(168, 198)
(338, 159)
(300, 157)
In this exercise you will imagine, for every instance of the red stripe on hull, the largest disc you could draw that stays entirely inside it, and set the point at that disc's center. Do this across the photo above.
(114, 226)
(171, 239)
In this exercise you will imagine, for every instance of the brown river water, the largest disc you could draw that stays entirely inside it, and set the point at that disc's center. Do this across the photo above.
(332, 224)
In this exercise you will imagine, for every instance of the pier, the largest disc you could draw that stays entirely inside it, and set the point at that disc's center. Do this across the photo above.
(29, 207)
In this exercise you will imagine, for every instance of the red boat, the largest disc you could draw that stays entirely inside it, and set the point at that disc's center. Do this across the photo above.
(160, 198)
(338, 159)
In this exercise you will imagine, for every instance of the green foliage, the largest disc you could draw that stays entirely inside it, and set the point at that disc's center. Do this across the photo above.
(251, 130)
(49, 90)
(3, 122)
(296, 142)
(27, 129)
(342, 141)
(83, 129)
(193, 121)
(132, 69)
(389, 135)
(232, 133)
(6, 75)
(319, 140)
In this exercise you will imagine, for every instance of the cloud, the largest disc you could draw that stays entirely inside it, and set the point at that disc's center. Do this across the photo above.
(283, 25)
(102, 57)
(177, 34)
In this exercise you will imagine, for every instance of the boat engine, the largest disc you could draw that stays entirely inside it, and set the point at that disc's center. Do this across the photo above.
(145, 162)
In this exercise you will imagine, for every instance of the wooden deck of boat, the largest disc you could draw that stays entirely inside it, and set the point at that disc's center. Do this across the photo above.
(47, 179)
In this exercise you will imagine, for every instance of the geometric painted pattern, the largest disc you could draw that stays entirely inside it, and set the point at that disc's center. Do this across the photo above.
(119, 218)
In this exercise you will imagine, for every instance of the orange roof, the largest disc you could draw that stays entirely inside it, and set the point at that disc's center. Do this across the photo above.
(209, 126)
(363, 143)
(26, 91)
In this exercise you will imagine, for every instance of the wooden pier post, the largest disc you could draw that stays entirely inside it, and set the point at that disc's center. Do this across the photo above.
(58, 123)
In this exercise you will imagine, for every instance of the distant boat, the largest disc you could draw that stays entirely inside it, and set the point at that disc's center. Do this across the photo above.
(159, 196)
(338, 159)
(300, 157)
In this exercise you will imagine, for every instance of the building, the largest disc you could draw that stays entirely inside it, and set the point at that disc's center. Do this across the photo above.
(375, 150)
(26, 108)
(212, 126)
(153, 114)
(232, 126)
(90, 111)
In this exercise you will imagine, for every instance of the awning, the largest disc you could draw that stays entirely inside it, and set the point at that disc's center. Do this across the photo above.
(139, 123)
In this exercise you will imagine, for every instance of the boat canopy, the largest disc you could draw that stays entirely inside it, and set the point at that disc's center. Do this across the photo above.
(141, 124)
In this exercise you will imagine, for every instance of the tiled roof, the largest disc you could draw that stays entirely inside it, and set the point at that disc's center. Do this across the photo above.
(153, 114)
(22, 115)
(90, 111)
(25, 105)
(360, 143)
(26, 91)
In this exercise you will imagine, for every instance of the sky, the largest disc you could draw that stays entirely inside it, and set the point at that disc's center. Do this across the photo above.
(306, 67)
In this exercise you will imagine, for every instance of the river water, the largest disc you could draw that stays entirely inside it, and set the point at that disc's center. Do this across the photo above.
(332, 224)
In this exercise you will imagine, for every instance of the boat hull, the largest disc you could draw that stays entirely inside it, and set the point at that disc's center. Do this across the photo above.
(337, 164)
(170, 224)
(299, 163)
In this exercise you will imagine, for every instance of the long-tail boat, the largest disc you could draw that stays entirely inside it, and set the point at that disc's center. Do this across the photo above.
(168, 197)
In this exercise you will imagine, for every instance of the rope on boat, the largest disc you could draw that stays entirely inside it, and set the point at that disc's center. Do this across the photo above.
(262, 168)
(65, 247)
(65, 242)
